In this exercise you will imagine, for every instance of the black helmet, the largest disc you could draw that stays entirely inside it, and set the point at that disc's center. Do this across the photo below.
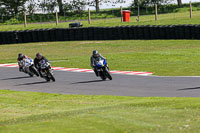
(95, 54)
(38, 55)
(20, 56)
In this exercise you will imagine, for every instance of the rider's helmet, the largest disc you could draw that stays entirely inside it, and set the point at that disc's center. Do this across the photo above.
(20, 56)
(38, 55)
(95, 54)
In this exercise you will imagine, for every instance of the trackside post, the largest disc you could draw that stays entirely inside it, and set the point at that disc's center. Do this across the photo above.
(56, 17)
(89, 19)
(25, 22)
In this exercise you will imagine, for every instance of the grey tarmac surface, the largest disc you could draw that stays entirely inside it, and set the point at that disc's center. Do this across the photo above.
(89, 84)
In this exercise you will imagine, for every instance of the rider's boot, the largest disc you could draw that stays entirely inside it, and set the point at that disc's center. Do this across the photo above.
(96, 72)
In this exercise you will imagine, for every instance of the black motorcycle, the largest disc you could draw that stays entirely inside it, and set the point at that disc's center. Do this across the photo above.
(46, 71)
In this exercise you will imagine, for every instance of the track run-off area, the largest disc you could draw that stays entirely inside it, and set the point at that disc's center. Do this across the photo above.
(84, 82)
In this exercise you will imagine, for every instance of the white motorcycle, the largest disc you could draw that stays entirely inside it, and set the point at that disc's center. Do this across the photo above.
(28, 67)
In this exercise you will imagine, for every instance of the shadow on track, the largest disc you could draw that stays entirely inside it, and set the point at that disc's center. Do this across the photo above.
(91, 81)
(194, 88)
(17, 78)
(34, 83)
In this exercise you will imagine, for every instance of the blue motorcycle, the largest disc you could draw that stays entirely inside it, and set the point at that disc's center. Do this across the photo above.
(102, 69)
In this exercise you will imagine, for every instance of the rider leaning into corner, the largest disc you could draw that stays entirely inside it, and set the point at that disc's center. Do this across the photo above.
(19, 59)
(95, 57)
(37, 59)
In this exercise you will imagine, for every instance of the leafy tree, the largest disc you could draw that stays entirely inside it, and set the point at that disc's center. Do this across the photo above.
(3, 11)
(48, 5)
(179, 3)
(144, 3)
(60, 5)
(31, 6)
(78, 5)
(13, 6)
(97, 3)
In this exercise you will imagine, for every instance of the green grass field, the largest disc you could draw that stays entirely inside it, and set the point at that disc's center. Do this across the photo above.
(30, 112)
(22, 112)
(163, 19)
(163, 57)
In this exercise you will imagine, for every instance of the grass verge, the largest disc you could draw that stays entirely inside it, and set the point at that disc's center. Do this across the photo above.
(41, 112)
(104, 13)
(163, 19)
(163, 57)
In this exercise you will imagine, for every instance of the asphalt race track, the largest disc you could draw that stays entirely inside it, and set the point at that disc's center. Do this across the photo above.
(89, 84)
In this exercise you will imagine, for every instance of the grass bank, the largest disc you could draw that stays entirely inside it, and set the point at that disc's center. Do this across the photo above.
(22, 112)
(103, 13)
(163, 19)
(163, 57)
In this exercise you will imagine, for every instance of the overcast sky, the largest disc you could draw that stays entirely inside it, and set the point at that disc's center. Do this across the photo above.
(128, 2)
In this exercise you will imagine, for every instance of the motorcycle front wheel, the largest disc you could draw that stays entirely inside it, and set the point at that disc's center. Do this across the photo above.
(107, 73)
(52, 77)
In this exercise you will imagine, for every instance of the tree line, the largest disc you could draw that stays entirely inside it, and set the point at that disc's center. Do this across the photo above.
(14, 7)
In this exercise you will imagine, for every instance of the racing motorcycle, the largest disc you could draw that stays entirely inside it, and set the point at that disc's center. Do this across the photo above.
(46, 70)
(28, 67)
(102, 69)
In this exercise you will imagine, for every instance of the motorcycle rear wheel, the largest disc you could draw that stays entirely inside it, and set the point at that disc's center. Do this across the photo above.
(30, 74)
(33, 69)
(103, 77)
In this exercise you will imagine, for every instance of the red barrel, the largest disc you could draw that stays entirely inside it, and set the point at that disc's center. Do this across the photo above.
(126, 15)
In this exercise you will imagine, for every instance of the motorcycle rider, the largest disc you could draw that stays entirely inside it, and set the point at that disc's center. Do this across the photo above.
(95, 57)
(37, 60)
(20, 58)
